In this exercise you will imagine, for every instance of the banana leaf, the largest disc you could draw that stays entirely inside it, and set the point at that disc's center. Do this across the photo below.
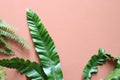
(44, 47)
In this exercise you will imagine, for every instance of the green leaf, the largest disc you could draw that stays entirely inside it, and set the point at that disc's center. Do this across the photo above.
(95, 60)
(13, 36)
(4, 24)
(115, 74)
(44, 46)
(6, 32)
(7, 49)
(31, 69)
(2, 74)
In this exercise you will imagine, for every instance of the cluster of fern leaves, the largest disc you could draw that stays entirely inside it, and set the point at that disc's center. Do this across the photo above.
(6, 32)
(49, 66)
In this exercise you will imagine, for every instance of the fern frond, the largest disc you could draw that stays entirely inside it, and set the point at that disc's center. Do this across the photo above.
(2, 73)
(2, 40)
(7, 46)
(6, 29)
(4, 24)
(44, 46)
(7, 33)
(32, 70)
(6, 51)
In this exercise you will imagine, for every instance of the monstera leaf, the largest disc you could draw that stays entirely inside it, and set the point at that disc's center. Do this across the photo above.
(115, 74)
(44, 47)
(31, 69)
(95, 60)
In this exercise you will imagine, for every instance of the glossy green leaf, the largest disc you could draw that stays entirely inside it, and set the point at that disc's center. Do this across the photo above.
(95, 60)
(31, 69)
(44, 46)
(115, 74)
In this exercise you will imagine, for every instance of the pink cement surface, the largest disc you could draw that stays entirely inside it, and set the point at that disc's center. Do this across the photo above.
(78, 27)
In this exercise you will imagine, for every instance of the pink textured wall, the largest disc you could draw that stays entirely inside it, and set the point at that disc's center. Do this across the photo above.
(78, 27)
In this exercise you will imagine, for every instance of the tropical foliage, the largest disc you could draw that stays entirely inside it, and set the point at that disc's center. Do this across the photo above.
(2, 73)
(32, 70)
(115, 74)
(100, 59)
(95, 60)
(44, 47)
(6, 32)
(49, 67)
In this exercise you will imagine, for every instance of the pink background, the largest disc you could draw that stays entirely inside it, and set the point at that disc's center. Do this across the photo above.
(78, 27)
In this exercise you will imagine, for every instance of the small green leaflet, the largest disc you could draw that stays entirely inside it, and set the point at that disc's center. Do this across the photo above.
(2, 74)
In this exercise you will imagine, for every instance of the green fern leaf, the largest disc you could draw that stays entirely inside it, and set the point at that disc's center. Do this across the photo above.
(14, 37)
(115, 74)
(4, 24)
(7, 49)
(45, 47)
(2, 74)
(95, 60)
(32, 70)
(5, 31)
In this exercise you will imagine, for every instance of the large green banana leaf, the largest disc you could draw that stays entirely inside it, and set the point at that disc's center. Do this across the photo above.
(31, 69)
(44, 46)
(95, 60)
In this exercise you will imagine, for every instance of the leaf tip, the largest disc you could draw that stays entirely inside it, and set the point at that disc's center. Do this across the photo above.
(27, 9)
(101, 50)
